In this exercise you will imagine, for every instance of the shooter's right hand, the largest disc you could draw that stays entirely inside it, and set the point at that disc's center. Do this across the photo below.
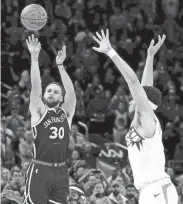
(34, 46)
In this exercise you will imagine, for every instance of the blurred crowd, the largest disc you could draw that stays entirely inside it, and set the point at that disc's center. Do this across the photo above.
(102, 93)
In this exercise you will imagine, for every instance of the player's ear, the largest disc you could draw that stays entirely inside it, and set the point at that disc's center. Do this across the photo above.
(61, 99)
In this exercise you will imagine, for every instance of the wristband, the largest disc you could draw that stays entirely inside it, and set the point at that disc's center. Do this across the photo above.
(111, 53)
(62, 66)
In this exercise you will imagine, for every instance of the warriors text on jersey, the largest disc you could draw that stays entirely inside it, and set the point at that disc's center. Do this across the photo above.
(51, 136)
(146, 156)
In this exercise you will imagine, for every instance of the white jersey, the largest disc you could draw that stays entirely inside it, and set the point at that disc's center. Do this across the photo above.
(146, 156)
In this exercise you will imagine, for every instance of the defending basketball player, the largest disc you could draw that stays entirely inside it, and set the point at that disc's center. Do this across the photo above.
(51, 117)
(144, 139)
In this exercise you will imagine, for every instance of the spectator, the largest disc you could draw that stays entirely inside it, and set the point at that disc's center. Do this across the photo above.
(77, 139)
(96, 111)
(98, 195)
(117, 20)
(15, 120)
(170, 7)
(77, 22)
(131, 194)
(118, 174)
(121, 123)
(179, 149)
(16, 185)
(24, 79)
(90, 185)
(117, 195)
(80, 111)
(26, 147)
(7, 154)
(6, 131)
(90, 153)
(46, 78)
(119, 97)
(75, 156)
(63, 10)
(79, 172)
(24, 108)
(170, 137)
(90, 90)
(5, 178)
(171, 173)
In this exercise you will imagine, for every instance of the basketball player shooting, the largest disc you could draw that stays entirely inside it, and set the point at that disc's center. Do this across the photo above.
(144, 139)
(47, 179)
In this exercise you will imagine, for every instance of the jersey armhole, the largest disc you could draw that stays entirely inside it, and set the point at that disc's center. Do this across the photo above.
(64, 112)
(133, 128)
(39, 121)
(68, 118)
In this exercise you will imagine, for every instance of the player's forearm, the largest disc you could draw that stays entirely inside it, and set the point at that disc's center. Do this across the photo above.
(67, 83)
(35, 76)
(147, 78)
(123, 67)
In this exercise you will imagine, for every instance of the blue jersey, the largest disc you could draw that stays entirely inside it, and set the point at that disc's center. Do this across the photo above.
(51, 136)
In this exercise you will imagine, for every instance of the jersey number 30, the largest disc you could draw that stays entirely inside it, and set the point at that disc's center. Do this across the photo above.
(57, 133)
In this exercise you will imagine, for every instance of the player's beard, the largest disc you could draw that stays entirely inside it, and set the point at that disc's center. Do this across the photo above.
(51, 104)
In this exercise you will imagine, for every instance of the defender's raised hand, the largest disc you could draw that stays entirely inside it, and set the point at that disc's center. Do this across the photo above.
(154, 48)
(61, 56)
(33, 45)
(103, 41)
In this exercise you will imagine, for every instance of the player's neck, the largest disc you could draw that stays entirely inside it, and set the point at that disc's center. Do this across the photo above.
(55, 107)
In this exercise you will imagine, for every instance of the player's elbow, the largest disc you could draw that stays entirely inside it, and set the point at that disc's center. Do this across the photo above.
(133, 80)
(70, 98)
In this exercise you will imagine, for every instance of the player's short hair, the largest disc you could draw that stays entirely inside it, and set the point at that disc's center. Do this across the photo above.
(62, 88)
(153, 94)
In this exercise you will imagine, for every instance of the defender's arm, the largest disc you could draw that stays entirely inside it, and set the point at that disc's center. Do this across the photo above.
(147, 78)
(137, 91)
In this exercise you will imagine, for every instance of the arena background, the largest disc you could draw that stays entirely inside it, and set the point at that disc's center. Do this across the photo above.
(100, 121)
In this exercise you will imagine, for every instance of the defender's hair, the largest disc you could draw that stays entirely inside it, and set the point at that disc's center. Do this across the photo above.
(153, 94)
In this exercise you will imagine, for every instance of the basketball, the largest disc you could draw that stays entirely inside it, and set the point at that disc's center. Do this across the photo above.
(33, 17)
